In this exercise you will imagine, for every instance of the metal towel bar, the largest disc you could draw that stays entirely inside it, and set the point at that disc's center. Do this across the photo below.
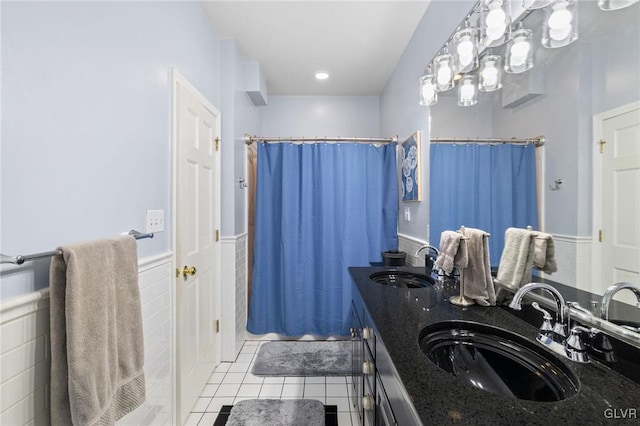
(20, 259)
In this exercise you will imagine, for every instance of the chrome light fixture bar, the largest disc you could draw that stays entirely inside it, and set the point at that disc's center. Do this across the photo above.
(489, 24)
(608, 5)
(535, 4)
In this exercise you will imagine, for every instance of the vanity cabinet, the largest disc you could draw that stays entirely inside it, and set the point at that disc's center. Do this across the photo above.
(368, 392)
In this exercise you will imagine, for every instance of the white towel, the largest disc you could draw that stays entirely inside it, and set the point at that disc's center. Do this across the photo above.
(451, 252)
(544, 253)
(97, 351)
(517, 258)
(478, 284)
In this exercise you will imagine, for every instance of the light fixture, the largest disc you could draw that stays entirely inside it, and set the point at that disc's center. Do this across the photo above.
(608, 5)
(468, 90)
(495, 19)
(465, 44)
(535, 4)
(561, 24)
(490, 75)
(428, 93)
(321, 75)
(444, 70)
(519, 55)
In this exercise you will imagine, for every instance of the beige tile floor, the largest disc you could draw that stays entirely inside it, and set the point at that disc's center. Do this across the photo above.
(234, 382)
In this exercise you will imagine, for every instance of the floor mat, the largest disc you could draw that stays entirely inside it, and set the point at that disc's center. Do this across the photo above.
(317, 358)
(330, 414)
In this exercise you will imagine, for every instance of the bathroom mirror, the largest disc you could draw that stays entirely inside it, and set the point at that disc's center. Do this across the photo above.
(561, 98)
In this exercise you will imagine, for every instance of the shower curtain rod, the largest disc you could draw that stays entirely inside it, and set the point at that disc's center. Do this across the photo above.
(538, 140)
(249, 139)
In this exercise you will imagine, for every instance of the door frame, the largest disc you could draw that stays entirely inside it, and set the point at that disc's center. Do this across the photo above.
(178, 80)
(598, 133)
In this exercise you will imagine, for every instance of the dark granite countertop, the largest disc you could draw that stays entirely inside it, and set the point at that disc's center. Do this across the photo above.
(439, 398)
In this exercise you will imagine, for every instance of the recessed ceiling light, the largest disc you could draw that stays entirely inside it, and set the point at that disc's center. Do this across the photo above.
(322, 75)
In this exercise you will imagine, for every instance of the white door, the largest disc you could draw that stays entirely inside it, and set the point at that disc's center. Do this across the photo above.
(619, 156)
(198, 256)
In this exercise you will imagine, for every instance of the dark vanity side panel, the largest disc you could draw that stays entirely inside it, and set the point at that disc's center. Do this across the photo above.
(400, 401)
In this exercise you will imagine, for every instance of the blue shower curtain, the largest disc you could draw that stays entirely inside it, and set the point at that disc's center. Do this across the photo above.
(490, 187)
(320, 208)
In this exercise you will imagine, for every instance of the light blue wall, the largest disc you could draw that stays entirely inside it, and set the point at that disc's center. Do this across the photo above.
(240, 117)
(399, 109)
(86, 121)
(348, 116)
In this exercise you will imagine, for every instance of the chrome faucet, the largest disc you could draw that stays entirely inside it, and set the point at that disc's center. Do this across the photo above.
(562, 321)
(426, 247)
(555, 338)
(611, 291)
(429, 261)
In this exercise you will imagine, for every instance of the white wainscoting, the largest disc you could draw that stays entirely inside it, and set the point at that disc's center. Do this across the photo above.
(409, 245)
(573, 255)
(233, 318)
(25, 358)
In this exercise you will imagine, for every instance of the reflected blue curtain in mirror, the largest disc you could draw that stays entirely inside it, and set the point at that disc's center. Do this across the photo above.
(489, 187)
(320, 208)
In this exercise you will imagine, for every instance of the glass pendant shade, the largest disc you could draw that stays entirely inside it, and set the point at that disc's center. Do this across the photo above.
(490, 75)
(468, 90)
(519, 55)
(444, 70)
(428, 93)
(495, 19)
(535, 4)
(561, 24)
(465, 44)
(615, 4)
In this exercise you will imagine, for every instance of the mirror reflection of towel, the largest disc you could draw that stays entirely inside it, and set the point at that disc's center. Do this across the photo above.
(517, 258)
(544, 253)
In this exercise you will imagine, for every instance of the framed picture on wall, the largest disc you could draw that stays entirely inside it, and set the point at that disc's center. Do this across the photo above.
(411, 184)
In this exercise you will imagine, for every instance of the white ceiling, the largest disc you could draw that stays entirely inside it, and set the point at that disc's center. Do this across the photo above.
(358, 42)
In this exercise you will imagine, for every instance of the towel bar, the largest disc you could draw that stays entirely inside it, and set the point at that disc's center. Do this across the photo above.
(20, 259)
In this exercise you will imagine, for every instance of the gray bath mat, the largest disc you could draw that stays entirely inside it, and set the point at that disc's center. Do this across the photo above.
(325, 358)
(277, 412)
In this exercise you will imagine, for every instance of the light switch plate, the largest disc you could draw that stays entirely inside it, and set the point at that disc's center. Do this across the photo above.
(155, 220)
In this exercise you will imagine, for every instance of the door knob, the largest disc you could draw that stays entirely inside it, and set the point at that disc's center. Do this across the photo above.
(188, 271)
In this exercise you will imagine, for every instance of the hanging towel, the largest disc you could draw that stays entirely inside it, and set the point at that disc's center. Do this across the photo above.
(452, 253)
(478, 284)
(97, 352)
(516, 261)
(544, 253)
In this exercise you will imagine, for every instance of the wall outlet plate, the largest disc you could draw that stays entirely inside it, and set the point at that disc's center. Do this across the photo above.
(155, 221)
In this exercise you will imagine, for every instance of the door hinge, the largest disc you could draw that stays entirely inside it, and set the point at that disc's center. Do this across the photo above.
(601, 142)
(217, 326)
(217, 235)
(600, 237)
(217, 141)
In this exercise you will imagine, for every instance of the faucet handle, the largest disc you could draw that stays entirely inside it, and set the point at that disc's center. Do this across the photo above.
(546, 329)
(576, 350)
